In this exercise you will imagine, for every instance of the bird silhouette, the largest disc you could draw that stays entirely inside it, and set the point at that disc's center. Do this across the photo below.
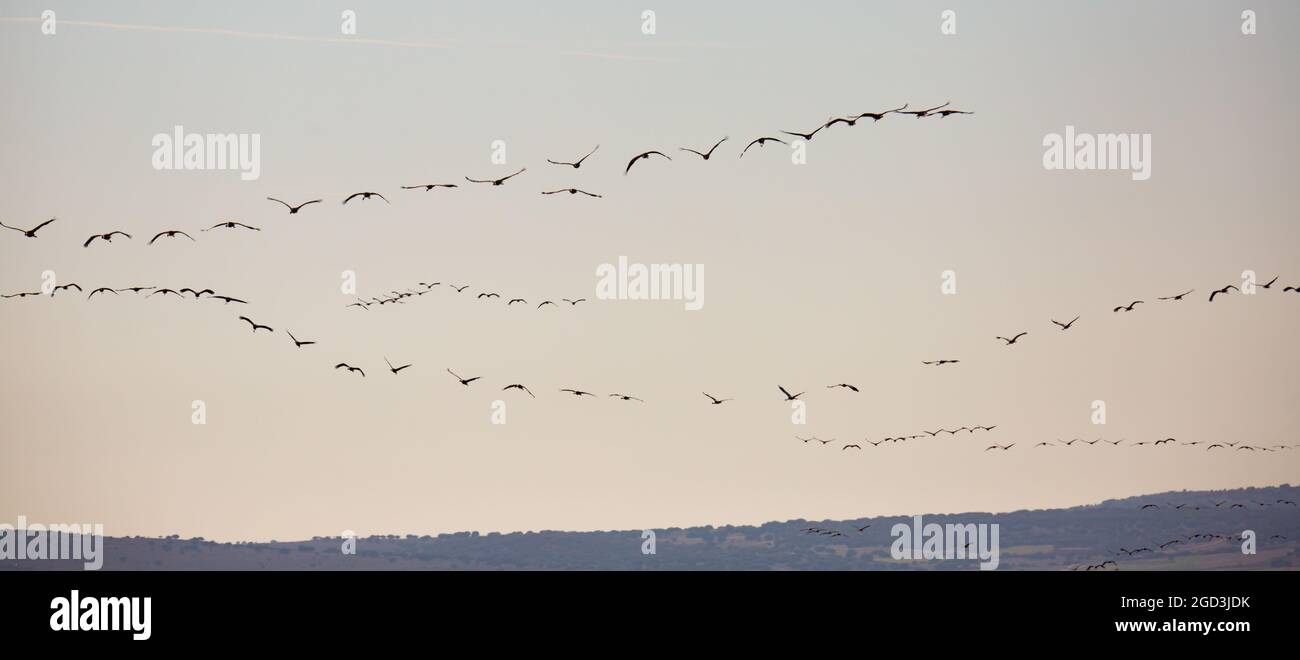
(395, 369)
(1128, 308)
(256, 326)
(1065, 326)
(430, 186)
(107, 238)
(806, 136)
(842, 385)
(716, 401)
(705, 155)
(29, 233)
(231, 224)
(170, 233)
(1270, 283)
(571, 191)
(922, 113)
(1002, 447)
(297, 343)
(577, 393)
(1224, 291)
(464, 381)
(941, 362)
(364, 196)
(518, 386)
(760, 142)
(497, 182)
(788, 395)
(1013, 339)
(1177, 297)
(573, 302)
(644, 156)
(575, 165)
(344, 365)
(294, 209)
(626, 397)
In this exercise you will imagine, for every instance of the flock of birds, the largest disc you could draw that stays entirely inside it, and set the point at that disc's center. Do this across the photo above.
(830, 532)
(401, 296)
(940, 111)
(1238, 446)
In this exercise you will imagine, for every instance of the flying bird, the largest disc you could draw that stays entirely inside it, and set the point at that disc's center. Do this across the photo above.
(571, 191)
(228, 300)
(1224, 291)
(789, 396)
(430, 186)
(364, 196)
(170, 233)
(1129, 308)
(1002, 447)
(1013, 339)
(345, 365)
(578, 163)
(466, 381)
(299, 344)
(945, 113)
(108, 238)
(101, 289)
(922, 113)
(843, 385)
(29, 233)
(806, 136)
(1270, 283)
(395, 369)
(761, 142)
(877, 116)
(627, 397)
(294, 209)
(850, 446)
(573, 302)
(708, 153)
(941, 362)
(577, 393)
(645, 156)
(497, 182)
(1065, 326)
(1177, 297)
(544, 303)
(516, 300)
(517, 386)
(716, 401)
(231, 224)
(255, 326)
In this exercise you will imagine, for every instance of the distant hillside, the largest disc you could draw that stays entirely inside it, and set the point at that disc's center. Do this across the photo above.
(1054, 539)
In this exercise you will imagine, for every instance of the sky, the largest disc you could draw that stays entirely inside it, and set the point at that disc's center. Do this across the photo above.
(817, 273)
